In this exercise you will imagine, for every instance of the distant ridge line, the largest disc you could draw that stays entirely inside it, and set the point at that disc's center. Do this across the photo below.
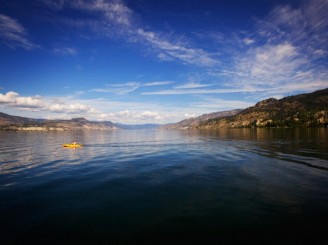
(303, 110)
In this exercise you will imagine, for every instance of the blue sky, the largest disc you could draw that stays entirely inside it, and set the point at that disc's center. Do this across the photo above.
(145, 61)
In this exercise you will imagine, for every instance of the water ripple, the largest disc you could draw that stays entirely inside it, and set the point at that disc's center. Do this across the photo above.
(131, 182)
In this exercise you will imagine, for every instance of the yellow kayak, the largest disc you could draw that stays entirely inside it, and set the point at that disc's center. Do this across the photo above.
(72, 145)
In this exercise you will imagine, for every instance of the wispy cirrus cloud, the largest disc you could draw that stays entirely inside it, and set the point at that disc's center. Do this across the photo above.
(217, 104)
(278, 57)
(306, 25)
(285, 53)
(128, 87)
(268, 65)
(65, 51)
(14, 35)
(290, 58)
(121, 89)
(174, 91)
(192, 85)
(158, 83)
(114, 17)
(175, 50)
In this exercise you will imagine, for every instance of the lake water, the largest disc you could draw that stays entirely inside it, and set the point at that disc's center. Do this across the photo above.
(238, 185)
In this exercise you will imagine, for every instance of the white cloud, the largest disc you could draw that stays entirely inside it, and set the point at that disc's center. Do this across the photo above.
(99, 109)
(114, 10)
(285, 49)
(9, 97)
(13, 99)
(288, 57)
(136, 117)
(281, 68)
(133, 112)
(288, 62)
(248, 41)
(187, 115)
(70, 108)
(151, 115)
(270, 64)
(319, 53)
(14, 34)
(36, 103)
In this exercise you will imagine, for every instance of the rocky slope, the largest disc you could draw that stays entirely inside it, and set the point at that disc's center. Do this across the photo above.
(304, 110)
(15, 123)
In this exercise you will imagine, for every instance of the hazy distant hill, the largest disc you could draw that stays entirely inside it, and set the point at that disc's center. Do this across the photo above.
(196, 121)
(137, 126)
(304, 110)
(15, 123)
(6, 119)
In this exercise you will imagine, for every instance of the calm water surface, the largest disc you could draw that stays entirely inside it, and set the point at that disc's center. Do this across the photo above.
(258, 185)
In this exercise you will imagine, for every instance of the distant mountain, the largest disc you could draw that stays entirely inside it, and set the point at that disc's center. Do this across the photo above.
(15, 123)
(137, 126)
(304, 110)
(6, 119)
(196, 121)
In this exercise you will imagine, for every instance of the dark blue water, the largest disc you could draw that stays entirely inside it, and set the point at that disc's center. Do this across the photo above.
(240, 185)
